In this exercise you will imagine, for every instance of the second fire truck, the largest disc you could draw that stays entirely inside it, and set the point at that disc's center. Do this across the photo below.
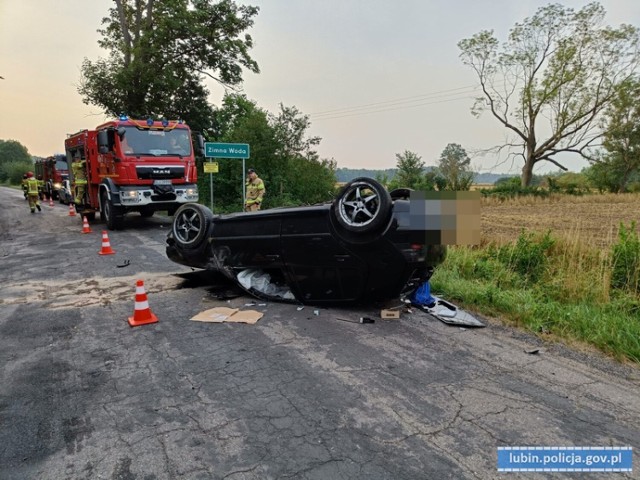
(52, 172)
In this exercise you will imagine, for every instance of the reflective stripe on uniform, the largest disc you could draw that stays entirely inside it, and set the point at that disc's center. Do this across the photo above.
(32, 186)
(255, 191)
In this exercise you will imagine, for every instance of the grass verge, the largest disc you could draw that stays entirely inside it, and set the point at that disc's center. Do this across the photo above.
(550, 286)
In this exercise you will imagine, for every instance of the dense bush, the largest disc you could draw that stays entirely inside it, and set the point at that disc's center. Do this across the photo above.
(12, 172)
(528, 255)
(511, 187)
(625, 261)
(569, 183)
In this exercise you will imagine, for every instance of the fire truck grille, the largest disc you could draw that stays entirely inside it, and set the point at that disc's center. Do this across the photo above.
(167, 197)
(162, 171)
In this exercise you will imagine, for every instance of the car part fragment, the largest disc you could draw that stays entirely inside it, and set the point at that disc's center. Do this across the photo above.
(450, 314)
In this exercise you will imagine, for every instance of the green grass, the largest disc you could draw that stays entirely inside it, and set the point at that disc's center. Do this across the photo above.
(549, 287)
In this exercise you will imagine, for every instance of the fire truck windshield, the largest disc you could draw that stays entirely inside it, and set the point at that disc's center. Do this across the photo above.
(61, 163)
(156, 142)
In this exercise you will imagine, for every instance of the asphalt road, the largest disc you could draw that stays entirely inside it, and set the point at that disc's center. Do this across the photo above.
(297, 395)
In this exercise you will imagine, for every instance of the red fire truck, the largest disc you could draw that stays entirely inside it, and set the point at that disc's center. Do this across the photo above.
(52, 171)
(128, 165)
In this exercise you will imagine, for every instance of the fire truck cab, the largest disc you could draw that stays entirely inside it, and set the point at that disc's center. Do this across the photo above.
(52, 171)
(128, 165)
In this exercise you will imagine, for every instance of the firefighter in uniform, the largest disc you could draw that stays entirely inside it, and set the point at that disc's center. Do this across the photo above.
(255, 192)
(32, 192)
(41, 194)
(79, 179)
(25, 189)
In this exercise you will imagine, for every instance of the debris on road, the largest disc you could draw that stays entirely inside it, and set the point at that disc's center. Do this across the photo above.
(225, 314)
(224, 293)
(450, 314)
(390, 313)
(441, 309)
(351, 320)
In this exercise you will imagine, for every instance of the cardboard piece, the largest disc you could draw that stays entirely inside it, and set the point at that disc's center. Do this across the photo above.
(225, 314)
(389, 314)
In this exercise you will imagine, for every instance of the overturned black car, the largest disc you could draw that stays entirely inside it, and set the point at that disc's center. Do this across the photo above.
(360, 248)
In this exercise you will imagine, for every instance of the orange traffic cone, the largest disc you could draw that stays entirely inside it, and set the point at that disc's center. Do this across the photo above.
(51, 201)
(85, 225)
(72, 210)
(142, 314)
(106, 246)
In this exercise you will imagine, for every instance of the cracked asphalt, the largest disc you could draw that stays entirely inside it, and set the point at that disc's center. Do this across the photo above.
(295, 396)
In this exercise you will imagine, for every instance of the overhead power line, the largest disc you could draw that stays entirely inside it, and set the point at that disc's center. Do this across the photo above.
(398, 104)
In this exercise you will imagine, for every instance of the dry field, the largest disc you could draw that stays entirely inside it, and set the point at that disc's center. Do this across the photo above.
(593, 219)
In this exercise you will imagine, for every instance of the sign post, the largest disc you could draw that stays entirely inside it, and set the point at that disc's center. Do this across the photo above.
(211, 167)
(228, 150)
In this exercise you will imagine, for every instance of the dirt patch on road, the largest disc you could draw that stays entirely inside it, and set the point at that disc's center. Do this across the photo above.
(87, 292)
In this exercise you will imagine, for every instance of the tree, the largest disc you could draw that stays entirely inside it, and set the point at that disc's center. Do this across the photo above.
(281, 153)
(409, 170)
(296, 169)
(14, 161)
(240, 120)
(308, 181)
(160, 53)
(621, 139)
(551, 80)
(13, 151)
(411, 173)
(290, 127)
(454, 166)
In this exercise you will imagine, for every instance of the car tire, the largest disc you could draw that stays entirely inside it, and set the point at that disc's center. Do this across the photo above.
(111, 214)
(363, 206)
(191, 225)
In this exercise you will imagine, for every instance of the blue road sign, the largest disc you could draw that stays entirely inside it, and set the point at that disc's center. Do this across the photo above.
(226, 150)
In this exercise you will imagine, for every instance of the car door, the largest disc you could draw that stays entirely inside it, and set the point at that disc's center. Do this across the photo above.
(248, 241)
(320, 267)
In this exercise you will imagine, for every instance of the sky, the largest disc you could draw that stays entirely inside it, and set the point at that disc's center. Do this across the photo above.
(376, 77)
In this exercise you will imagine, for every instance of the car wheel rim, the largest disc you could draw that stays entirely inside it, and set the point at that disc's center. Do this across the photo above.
(188, 226)
(359, 206)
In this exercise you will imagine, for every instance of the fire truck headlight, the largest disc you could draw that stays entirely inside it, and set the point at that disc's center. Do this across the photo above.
(57, 186)
(191, 194)
(129, 196)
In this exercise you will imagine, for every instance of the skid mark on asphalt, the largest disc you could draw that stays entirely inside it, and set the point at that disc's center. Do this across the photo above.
(89, 292)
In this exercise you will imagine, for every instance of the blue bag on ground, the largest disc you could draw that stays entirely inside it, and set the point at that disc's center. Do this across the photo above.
(422, 295)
